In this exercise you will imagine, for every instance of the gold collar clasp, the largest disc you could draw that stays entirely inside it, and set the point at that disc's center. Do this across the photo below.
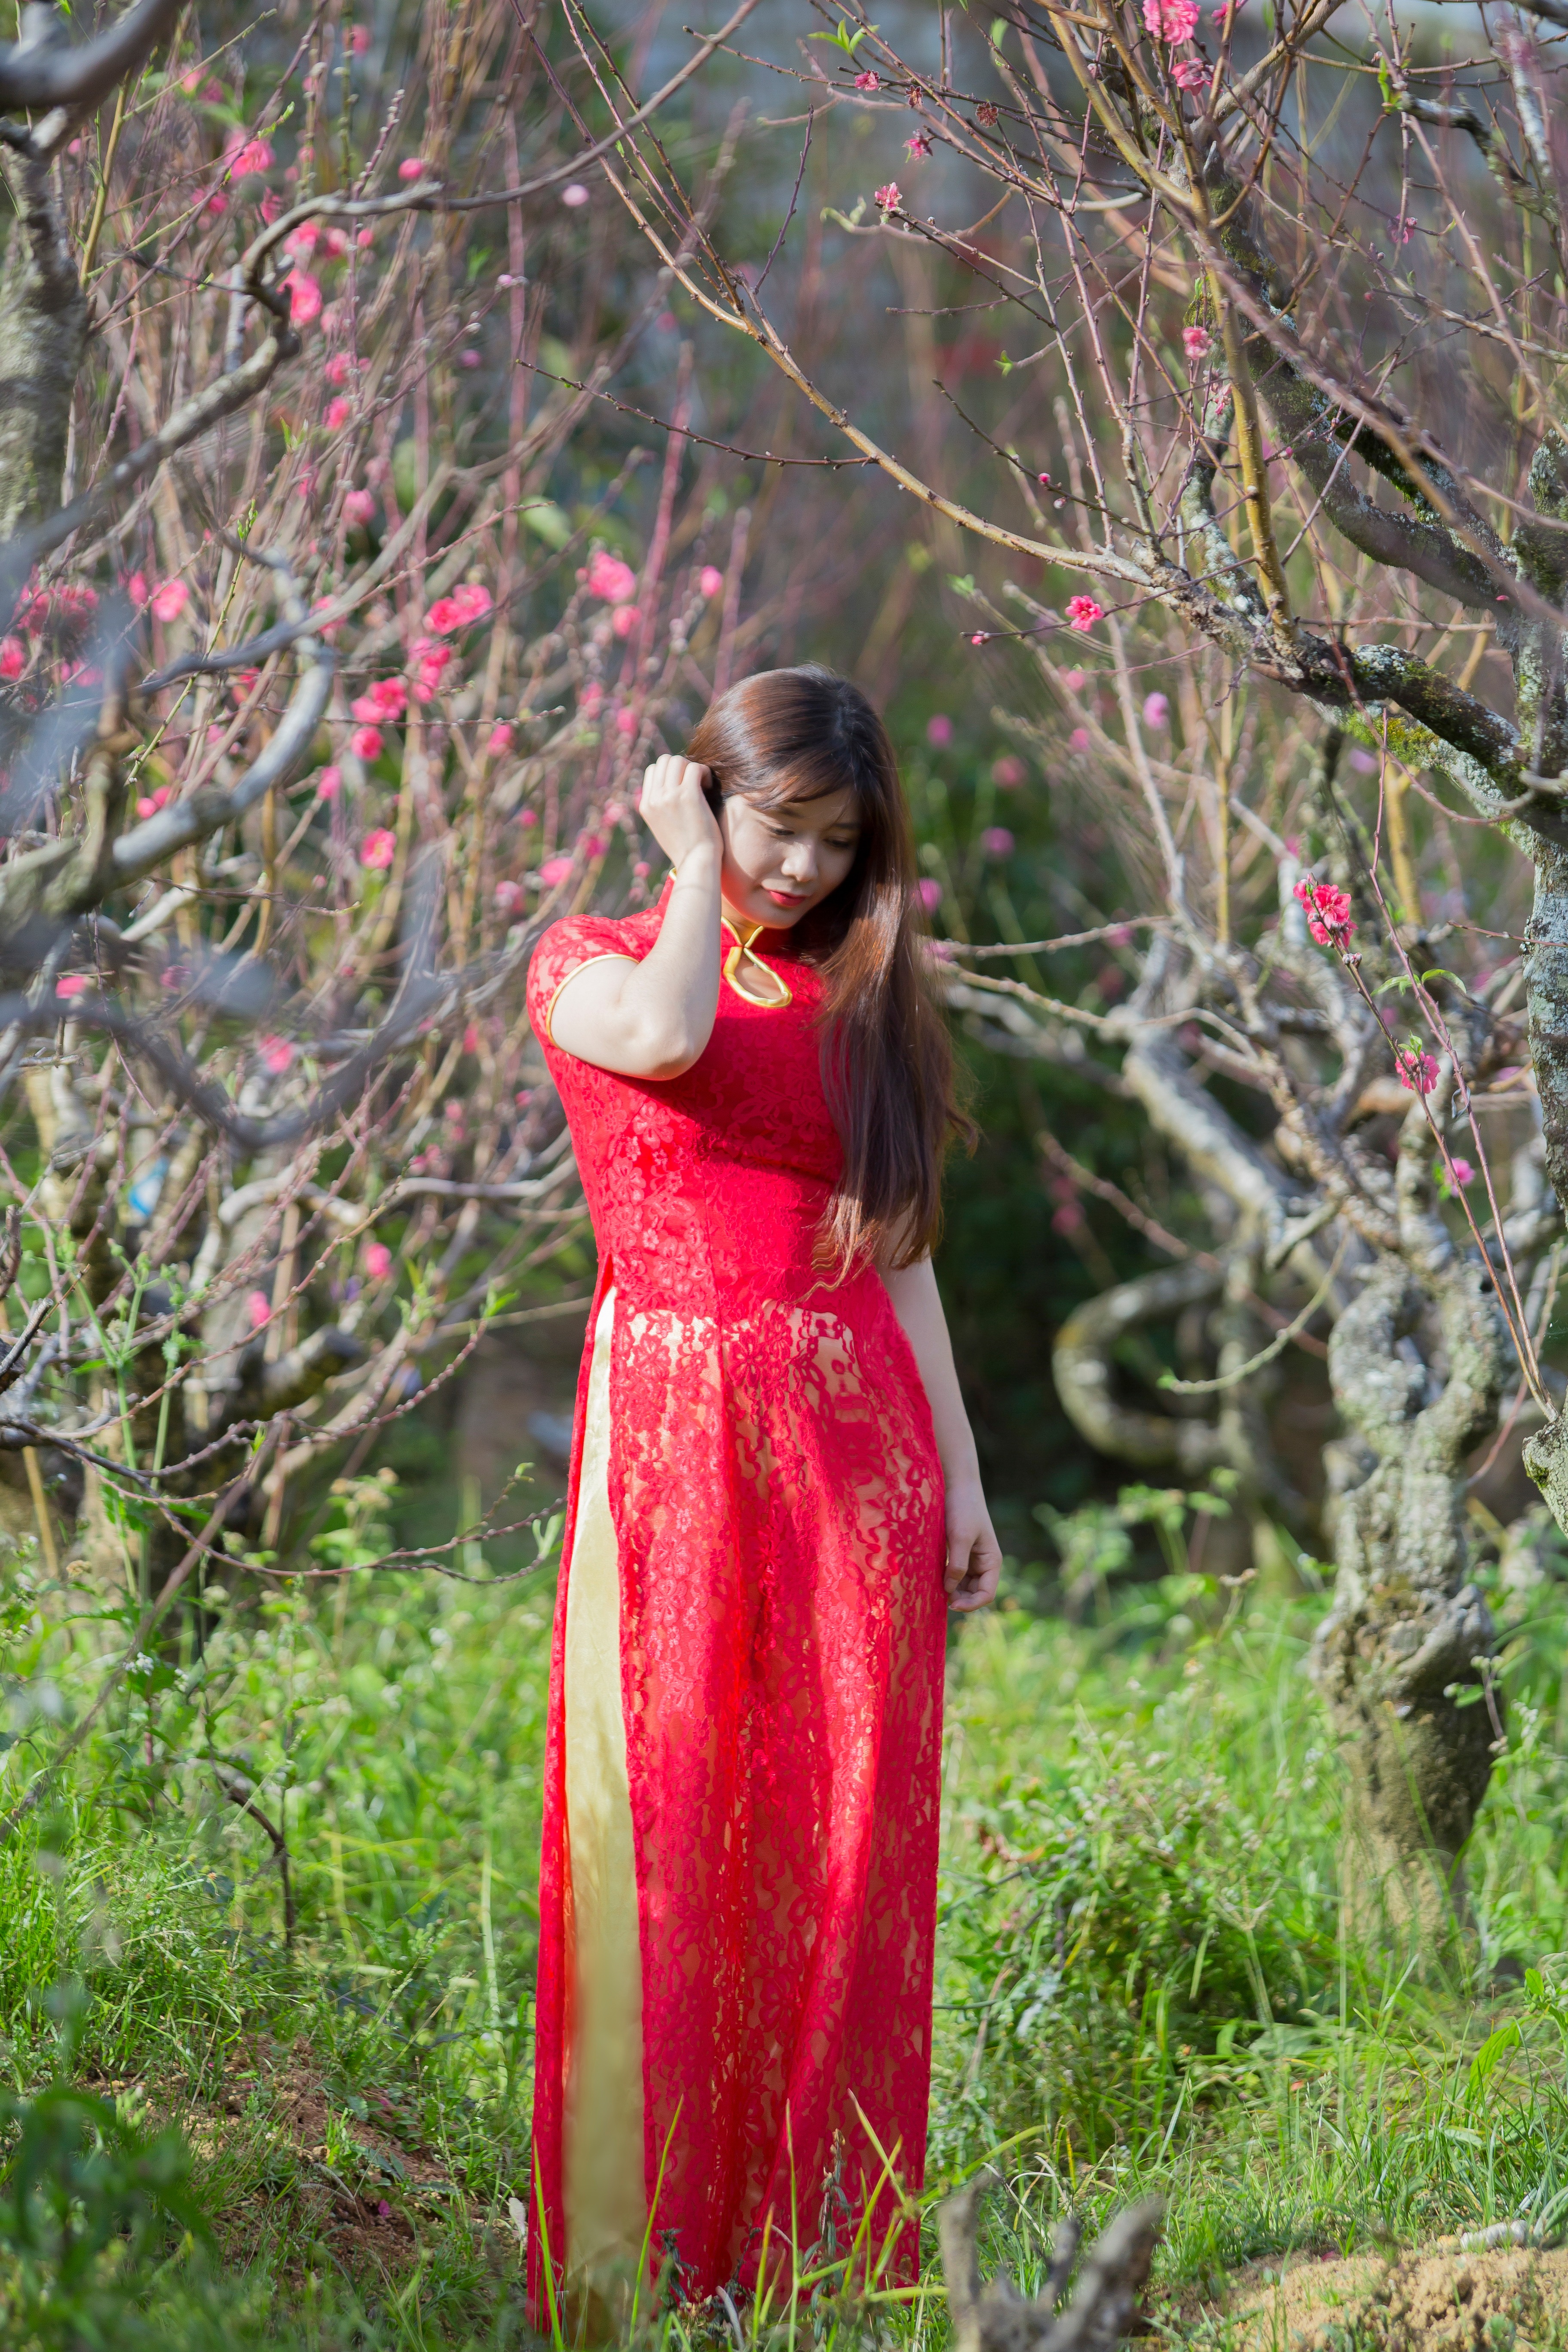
(776, 991)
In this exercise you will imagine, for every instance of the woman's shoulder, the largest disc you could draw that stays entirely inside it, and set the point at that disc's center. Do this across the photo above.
(578, 940)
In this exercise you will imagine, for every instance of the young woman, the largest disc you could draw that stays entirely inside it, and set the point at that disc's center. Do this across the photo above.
(773, 1491)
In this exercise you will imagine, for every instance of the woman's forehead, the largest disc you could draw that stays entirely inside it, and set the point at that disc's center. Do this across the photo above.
(822, 813)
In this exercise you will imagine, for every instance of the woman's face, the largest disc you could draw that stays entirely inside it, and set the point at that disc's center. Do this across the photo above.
(779, 863)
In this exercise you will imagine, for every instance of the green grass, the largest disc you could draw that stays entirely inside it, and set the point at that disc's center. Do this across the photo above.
(1145, 1980)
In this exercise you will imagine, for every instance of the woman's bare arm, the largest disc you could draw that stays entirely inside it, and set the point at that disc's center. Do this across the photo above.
(973, 1555)
(652, 1019)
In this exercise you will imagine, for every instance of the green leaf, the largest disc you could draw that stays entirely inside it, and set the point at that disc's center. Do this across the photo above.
(548, 522)
(1440, 971)
(1484, 2064)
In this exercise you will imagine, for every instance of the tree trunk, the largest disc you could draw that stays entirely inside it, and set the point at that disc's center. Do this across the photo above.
(1402, 1658)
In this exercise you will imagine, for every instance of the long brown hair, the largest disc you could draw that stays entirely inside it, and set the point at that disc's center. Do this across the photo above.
(887, 1062)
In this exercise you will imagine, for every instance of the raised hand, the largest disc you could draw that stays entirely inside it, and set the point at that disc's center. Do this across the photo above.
(675, 809)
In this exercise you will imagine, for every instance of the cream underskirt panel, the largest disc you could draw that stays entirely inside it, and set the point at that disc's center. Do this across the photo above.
(605, 2187)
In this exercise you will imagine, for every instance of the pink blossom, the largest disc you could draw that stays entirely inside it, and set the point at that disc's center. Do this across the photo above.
(938, 730)
(888, 197)
(1196, 342)
(13, 658)
(1417, 1071)
(609, 577)
(304, 294)
(378, 849)
(997, 841)
(573, 194)
(501, 739)
(304, 240)
(358, 507)
(75, 983)
(509, 897)
(472, 600)
(868, 80)
(443, 615)
(327, 784)
(339, 368)
(136, 588)
(217, 204)
(626, 722)
(257, 1308)
(1462, 1171)
(252, 155)
(359, 40)
(928, 892)
(1007, 773)
(918, 147)
(1171, 20)
(527, 816)
(276, 1053)
(338, 412)
(710, 580)
(1083, 613)
(365, 742)
(625, 620)
(376, 1259)
(1078, 739)
(1073, 679)
(1328, 911)
(170, 600)
(1190, 74)
(555, 870)
(388, 697)
(591, 700)
(642, 869)
(978, 639)
(411, 168)
(1156, 710)
(594, 844)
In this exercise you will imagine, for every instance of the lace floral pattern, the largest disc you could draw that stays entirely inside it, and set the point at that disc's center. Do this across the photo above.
(777, 1502)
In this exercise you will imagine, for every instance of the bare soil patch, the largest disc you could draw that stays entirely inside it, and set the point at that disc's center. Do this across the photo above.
(1434, 2299)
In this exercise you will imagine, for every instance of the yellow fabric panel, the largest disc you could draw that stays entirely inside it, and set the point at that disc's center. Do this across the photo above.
(604, 2188)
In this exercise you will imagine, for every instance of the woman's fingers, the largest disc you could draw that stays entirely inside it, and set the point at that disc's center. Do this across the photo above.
(674, 806)
(974, 1565)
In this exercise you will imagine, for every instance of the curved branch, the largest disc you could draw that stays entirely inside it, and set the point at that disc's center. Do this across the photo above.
(43, 70)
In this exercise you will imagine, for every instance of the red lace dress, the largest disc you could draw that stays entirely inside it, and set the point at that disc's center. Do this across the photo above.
(738, 1883)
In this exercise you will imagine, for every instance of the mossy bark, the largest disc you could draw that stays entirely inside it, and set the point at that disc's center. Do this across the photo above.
(43, 337)
(1402, 1658)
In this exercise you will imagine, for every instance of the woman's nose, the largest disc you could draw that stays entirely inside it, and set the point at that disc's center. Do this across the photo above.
(800, 861)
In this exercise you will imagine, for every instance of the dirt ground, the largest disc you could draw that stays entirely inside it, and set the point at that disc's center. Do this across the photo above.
(1434, 2299)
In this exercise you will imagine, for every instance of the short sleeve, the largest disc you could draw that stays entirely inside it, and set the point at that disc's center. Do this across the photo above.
(564, 949)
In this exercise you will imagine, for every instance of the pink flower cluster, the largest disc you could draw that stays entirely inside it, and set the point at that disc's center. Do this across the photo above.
(888, 197)
(1418, 1070)
(1171, 20)
(1196, 342)
(609, 577)
(358, 506)
(1328, 911)
(151, 802)
(384, 700)
(429, 659)
(378, 849)
(465, 606)
(1083, 613)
